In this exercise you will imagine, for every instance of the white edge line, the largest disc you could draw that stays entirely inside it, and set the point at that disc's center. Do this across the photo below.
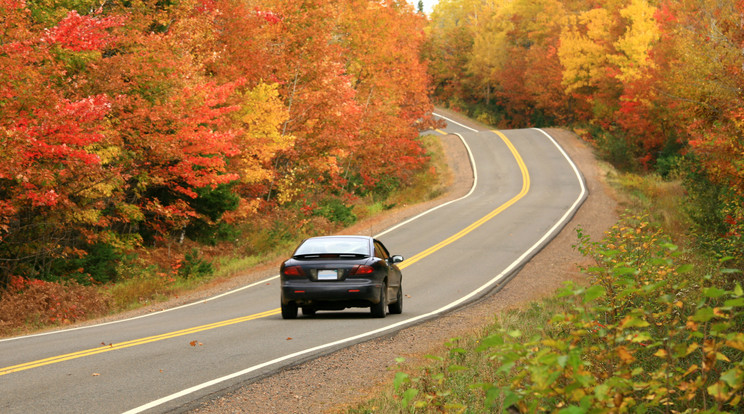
(560, 223)
(472, 189)
(264, 281)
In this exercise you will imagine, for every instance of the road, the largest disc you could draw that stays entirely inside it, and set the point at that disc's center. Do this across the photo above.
(525, 190)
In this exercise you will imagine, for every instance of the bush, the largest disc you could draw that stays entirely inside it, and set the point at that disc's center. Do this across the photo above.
(38, 303)
(644, 337)
(648, 335)
(194, 266)
(336, 211)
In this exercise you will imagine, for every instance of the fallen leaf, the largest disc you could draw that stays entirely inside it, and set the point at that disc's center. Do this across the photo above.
(289, 338)
(192, 343)
(95, 374)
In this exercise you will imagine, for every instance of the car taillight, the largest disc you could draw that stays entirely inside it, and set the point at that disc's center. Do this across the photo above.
(361, 270)
(293, 271)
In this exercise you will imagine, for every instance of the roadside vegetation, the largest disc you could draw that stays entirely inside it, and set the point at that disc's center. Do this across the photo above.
(657, 327)
(149, 276)
(148, 146)
(655, 87)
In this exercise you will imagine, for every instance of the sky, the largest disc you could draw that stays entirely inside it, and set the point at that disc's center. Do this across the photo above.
(428, 5)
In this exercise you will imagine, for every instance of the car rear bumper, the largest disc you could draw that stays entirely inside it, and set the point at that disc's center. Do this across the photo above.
(343, 294)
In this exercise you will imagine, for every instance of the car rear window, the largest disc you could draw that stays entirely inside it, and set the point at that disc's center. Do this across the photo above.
(336, 246)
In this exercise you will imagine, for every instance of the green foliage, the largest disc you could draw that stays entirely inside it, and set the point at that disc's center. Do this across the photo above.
(650, 333)
(716, 212)
(646, 336)
(193, 265)
(211, 204)
(616, 149)
(336, 211)
(99, 265)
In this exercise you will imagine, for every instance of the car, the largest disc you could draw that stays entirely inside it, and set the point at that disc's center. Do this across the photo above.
(339, 272)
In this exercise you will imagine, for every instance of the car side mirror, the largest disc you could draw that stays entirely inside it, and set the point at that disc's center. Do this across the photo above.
(396, 259)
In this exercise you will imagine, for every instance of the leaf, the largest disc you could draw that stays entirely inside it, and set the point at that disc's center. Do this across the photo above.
(593, 292)
(703, 315)
(685, 268)
(738, 302)
(400, 379)
(456, 368)
(713, 292)
(624, 354)
(661, 353)
(633, 322)
(738, 290)
(733, 377)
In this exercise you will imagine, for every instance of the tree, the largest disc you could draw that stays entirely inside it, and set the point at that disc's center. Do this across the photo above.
(53, 175)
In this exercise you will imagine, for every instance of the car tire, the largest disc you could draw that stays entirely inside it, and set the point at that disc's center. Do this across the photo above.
(380, 309)
(289, 311)
(397, 307)
(308, 311)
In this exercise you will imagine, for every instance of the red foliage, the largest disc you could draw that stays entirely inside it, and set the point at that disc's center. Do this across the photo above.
(83, 33)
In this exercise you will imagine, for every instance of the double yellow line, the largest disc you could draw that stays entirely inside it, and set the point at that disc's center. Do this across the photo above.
(135, 342)
(202, 328)
(487, 217)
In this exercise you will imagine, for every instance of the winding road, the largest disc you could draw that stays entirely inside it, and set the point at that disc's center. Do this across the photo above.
(525, 190)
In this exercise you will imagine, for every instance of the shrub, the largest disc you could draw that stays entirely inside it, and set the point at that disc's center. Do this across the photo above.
(193, 265)
(648, 335)
(336, 211)
(38, 303)
(644, 337)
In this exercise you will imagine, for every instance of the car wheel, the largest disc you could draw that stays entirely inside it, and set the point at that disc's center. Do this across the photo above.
(397, 307)
(289, 311)
(308, 311)
(379, 309)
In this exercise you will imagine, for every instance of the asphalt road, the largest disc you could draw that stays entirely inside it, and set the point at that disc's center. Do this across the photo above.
(525, 190)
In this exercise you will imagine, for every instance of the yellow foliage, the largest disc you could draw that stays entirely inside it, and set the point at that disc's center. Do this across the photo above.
(639, 38)
(262, 114)
(584, 50)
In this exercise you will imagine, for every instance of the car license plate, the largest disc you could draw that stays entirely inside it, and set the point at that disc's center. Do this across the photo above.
(327, 274)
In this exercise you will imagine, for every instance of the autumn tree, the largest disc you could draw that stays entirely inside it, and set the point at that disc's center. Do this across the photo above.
(383, 40)
(53, 176)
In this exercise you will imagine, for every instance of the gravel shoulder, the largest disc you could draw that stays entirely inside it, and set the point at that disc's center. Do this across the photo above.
(347, 377)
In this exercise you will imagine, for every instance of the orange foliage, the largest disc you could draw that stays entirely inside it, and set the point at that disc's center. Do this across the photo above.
(139, 121)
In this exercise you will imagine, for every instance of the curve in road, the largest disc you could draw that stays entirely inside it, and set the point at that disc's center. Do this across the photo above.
(501, 238)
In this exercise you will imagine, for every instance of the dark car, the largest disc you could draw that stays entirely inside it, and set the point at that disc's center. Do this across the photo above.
(338, 272)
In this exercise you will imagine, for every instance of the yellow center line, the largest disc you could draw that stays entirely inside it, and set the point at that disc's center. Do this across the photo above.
(487, 217)
(135, 342)
(202, 328)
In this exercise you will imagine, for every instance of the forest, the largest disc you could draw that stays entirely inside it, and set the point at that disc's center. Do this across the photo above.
(129, 128)
(656, 89)
(137, 136)
(655, 86)
(144, 142)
